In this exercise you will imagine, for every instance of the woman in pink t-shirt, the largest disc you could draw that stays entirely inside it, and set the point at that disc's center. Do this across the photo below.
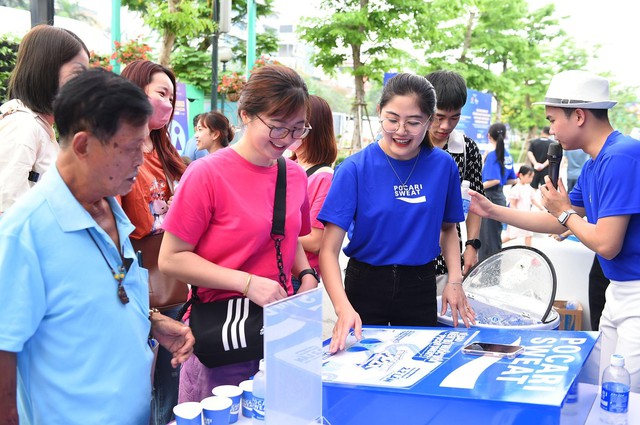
(218, 229)
(315, 154)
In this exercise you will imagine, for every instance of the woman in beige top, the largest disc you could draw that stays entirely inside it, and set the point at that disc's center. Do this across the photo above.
(48, 57)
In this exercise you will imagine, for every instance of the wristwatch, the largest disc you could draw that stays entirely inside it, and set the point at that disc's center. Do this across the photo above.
(311, 271)
(564, 216)
(475, 243)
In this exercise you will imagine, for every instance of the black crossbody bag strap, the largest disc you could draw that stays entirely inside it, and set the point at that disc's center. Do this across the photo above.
(315, 168)
(277, 232)
(279, 211)
(280, 202)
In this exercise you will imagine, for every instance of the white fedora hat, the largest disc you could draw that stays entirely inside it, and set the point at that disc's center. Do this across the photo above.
(578, 89)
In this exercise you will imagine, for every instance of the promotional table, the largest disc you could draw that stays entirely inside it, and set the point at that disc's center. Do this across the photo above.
(420, 376)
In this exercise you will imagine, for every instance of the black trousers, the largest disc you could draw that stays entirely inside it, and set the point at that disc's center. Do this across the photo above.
(598, 284)
(392, 295)
(491, 230)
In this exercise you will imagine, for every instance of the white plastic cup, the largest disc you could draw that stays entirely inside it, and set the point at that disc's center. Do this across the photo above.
(247, 398)
(189, 413)
(216, 410)
(234, 392)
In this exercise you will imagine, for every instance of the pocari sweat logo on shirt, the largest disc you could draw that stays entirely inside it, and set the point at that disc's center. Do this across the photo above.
(508, 162)
(409, 193)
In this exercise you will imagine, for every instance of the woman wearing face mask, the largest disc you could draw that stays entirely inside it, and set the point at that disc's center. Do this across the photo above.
(146, 206)
(47, 58)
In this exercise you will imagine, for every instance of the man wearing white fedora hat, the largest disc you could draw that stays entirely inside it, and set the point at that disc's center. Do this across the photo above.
(607, 192)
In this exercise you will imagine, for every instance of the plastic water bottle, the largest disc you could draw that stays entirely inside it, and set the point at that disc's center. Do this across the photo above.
(259, 391)
(466, 198)
(614, 398)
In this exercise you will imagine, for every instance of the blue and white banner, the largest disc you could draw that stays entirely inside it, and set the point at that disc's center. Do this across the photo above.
(179, 129)
(430, 361)
(417, 376)
(476, 117)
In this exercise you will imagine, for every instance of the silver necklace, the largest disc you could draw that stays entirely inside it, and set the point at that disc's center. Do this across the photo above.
(412, 169)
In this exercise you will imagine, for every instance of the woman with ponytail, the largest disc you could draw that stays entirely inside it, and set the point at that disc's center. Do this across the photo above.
(213, 132)
(497, 172)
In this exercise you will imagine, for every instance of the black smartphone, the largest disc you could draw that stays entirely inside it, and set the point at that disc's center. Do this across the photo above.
(492, 349)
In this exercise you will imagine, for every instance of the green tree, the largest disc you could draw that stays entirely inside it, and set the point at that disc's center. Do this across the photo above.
(370, 36)
(336, 97)
(187, 36)
(506, 50)
(266, 42)
(625, 116)
(16, 4)
(71, 9)
(8, 53)
(192, 66)
(186, 20)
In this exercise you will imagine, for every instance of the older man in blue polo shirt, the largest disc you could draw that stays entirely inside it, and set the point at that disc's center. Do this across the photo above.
(75, 322)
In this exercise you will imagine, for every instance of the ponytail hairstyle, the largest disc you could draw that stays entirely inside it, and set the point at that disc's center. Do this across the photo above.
(498, 132)
(140, 72)
(214, 120)
(524, 171)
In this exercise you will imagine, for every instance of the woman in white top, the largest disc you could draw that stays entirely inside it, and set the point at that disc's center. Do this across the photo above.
(47, 58)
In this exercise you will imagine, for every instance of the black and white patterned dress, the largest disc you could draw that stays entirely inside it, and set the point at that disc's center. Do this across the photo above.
(471, 170)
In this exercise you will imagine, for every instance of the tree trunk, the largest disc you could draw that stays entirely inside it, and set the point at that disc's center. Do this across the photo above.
(527, 104)
(358, 106)
(467, 37)
(168, 38)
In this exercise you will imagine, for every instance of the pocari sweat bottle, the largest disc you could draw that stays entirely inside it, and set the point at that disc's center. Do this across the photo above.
(614, 398)
(466, 198)
(259, 391)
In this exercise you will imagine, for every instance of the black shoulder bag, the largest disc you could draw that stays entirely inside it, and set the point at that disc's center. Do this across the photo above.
(231, 331)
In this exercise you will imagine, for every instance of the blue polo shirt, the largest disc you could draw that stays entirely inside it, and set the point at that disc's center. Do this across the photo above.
(394, 222)
(609, 185)
(82, 355)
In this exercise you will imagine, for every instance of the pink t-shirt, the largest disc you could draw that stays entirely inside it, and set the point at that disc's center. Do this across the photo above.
(318, 187)
(224, 207)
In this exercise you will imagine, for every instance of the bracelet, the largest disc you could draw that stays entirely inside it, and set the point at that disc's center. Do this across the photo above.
(152, 311)
(246, 288)
(454, 283)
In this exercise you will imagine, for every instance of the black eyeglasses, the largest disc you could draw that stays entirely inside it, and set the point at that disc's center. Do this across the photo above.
(282, 132)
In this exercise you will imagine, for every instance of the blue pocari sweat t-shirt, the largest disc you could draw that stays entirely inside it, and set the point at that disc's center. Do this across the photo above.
(492, 171)
(394, 223)
(609, 185)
